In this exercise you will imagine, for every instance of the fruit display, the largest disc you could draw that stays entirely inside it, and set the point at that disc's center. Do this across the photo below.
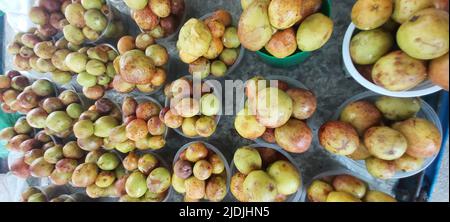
(20, 133)
(140, 65)
(263, 174)
(56, 115)
(389, 137)
(52, 58)
(19, 94)
(82, 118)
(283, 27)
(95, 69)
(42, 55)
(148, 179)
(142, 128)
(402, 44)
(209, 45)
(48, 194)
(22, 50)
(94, 125)
(48, 17)
(200, 172)
(41, 156)
(344, 188)
(158, 18)
(190, 116)
(276, 112)
(99, 174)
(90, 21)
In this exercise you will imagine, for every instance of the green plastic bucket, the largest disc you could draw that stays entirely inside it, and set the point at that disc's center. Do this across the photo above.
(299, 56)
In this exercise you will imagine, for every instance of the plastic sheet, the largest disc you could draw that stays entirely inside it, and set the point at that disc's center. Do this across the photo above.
(11, 187)
(17, 13)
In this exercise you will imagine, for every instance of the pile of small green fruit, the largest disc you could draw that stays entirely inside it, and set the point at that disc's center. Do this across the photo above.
(57, 114)
(199, 173)
(90, 20)
(18, 94)
(195, 117)
(148, 179)
(95, 69)
(93, 128)
(99, 174)
(212, 51)
(252, 183)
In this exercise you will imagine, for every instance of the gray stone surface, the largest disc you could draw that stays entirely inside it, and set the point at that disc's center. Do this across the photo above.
(322, 73)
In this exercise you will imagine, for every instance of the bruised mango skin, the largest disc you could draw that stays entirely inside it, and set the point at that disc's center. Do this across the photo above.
(260, 187)
(367, 47)
(397, 71)
(136, 68)
(404, 9)
(371, 14)
(432, 41)
(254, 28)
(424, 138)
(284, 14)
(318, 191)
(314, 32)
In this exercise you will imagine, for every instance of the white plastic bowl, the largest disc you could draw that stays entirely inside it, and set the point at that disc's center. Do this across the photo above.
(300, 195)
(425, 112)
(162, 163)
(210, 148)
(370, 182)
(425, 88)
(230, 69)
(217, 117)
(122, 156)
(292, 83)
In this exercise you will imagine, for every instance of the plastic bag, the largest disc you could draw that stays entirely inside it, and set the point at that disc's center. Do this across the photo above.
(17, 13)
(11, 188)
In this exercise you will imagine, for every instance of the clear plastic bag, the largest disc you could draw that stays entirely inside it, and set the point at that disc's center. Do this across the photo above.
(17, 13)
(11, 188)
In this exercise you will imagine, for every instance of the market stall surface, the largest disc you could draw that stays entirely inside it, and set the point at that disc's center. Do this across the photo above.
(323, 73)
